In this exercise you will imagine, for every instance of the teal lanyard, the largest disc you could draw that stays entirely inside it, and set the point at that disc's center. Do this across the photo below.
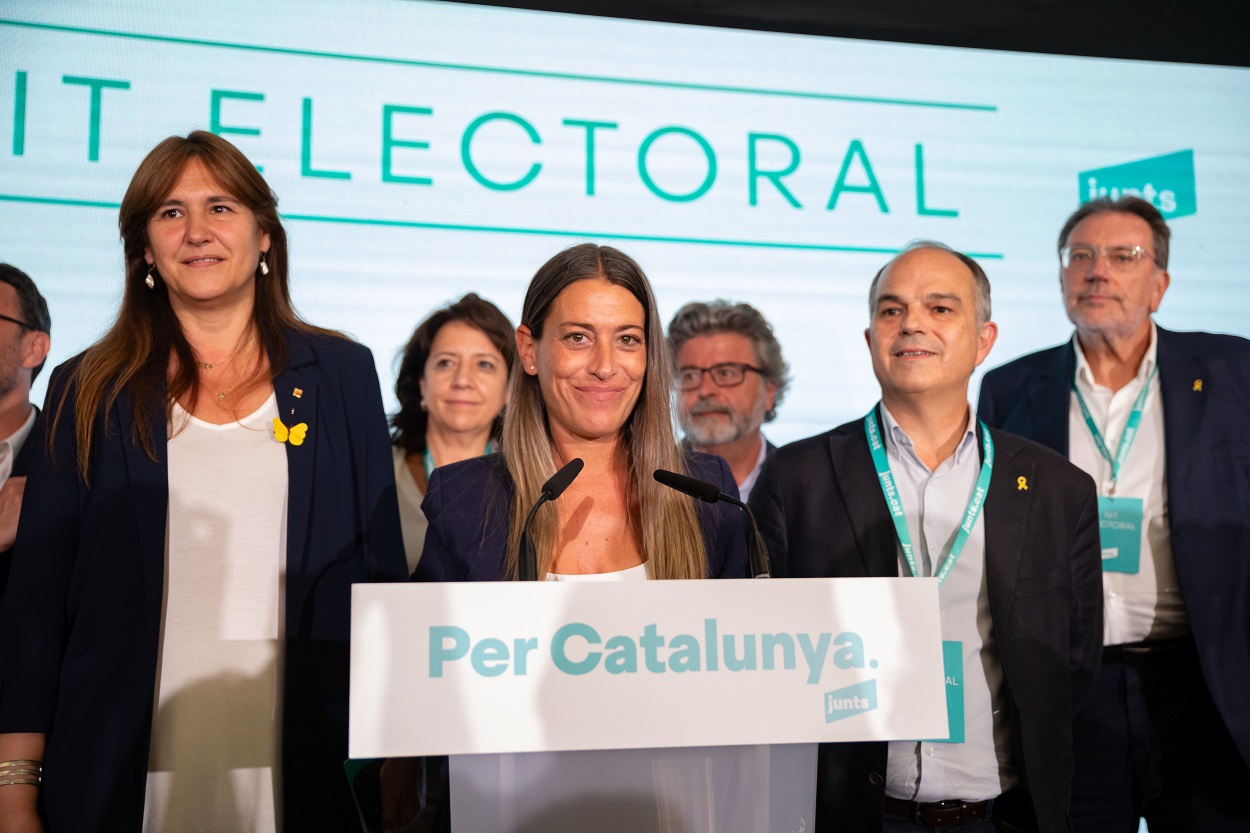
(1130, 428)
(886, 480)
(427, 459)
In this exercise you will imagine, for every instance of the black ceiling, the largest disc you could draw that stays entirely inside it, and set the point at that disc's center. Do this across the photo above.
(1191, 31)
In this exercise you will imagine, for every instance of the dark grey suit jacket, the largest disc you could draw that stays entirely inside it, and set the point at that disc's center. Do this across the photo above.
(822, 513)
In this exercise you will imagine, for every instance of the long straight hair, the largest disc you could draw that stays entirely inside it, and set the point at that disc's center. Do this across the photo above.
(670, 529)
(134, 355)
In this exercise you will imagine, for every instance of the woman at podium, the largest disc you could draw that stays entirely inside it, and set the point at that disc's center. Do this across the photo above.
(594, 383)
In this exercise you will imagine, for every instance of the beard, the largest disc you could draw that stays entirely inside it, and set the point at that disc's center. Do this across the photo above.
(714, 423)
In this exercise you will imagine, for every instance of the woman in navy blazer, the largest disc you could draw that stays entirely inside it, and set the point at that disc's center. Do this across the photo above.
(207, 329)
(594, 383)
(471, 533)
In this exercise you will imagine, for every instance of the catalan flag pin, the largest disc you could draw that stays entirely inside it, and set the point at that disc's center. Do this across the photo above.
(297, 393)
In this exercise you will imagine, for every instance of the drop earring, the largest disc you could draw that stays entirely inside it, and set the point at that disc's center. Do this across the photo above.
(149, 280)
(264, 267)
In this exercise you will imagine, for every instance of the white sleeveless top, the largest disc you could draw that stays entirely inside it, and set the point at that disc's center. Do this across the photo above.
(639, 572)
(216, 748)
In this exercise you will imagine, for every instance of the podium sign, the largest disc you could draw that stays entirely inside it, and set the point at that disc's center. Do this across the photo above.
(498, 667)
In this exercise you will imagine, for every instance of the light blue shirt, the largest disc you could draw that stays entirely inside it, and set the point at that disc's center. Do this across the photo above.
(935, 501)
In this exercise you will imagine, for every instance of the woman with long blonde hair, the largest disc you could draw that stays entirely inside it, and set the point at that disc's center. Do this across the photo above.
(593, 382)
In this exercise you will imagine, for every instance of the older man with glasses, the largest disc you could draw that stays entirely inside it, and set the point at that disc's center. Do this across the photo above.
(1159, 419)
(732, 379)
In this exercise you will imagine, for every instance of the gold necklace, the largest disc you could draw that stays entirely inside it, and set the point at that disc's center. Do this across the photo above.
(227, 359)
(223, 394)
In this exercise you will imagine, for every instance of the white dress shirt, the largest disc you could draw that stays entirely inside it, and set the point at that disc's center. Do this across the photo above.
(745, 487)
(1147, 604)
(11, 446)
(935, 502)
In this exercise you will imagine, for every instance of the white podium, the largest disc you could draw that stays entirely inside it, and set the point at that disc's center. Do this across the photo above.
(667, 706)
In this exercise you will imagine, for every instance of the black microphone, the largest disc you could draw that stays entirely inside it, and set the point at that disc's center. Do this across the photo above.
(710, 493)
(527, 555)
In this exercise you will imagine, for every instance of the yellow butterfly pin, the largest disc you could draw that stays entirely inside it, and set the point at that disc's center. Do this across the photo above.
(294, 435)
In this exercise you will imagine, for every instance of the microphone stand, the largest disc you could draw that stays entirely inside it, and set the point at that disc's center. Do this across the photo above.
(527, 554)
(757, 550)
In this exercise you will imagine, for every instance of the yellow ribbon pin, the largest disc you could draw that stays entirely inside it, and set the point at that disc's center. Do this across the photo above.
(294, 435)
(1022, 485)
(1198, 385)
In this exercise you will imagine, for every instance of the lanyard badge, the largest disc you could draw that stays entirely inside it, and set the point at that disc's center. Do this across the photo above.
(952, 650)
(1119, 518)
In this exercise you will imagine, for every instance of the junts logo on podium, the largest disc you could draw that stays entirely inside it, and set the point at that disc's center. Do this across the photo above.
(850, 701)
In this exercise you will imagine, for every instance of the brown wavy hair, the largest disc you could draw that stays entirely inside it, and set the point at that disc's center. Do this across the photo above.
(410, 422)
(134, 356)
(670, 530)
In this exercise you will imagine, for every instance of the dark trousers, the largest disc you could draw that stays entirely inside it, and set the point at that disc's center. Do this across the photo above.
(1149, 743)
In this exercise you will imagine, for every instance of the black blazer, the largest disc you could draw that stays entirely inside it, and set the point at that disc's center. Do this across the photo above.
(1205, 381)
(467, 507)
(82, 626)
(821, 512)
(21, 467)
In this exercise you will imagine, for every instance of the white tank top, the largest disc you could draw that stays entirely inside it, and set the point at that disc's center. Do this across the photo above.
(216, 748)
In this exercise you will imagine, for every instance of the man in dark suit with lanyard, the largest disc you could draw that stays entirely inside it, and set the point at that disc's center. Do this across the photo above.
(1160, 420)
(24, 344)
(920, 487)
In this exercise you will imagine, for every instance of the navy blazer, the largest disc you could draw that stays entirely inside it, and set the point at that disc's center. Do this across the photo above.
(467, 505)
(822, 514)
(83, 621)
(1205, 382)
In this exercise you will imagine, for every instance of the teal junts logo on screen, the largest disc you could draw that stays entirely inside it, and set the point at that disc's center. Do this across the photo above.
(1166, 182)
(851, 700)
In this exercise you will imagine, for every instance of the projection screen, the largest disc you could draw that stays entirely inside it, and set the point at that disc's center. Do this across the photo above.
(423, 150)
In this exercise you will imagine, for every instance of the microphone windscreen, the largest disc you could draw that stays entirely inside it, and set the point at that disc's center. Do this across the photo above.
(705, 492)
(561, 479)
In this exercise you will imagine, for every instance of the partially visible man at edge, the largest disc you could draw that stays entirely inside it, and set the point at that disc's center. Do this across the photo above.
(732, 378)
(1159, 419)
(24, 343)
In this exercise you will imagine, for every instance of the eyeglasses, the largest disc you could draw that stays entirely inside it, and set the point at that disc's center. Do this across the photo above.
(20, 323)
(725, 375)
(1120, 258)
